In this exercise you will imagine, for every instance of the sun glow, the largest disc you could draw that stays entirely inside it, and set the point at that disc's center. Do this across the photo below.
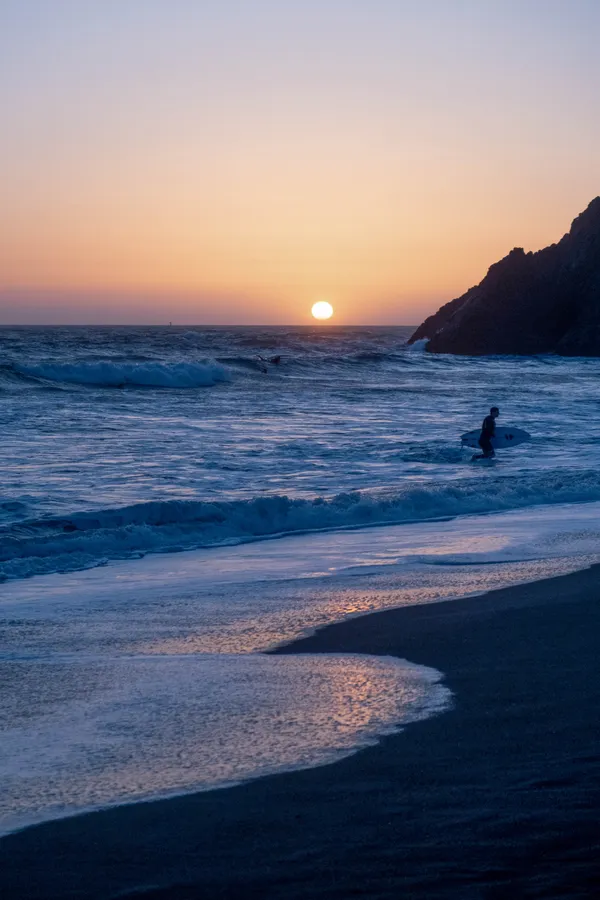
(322, 310)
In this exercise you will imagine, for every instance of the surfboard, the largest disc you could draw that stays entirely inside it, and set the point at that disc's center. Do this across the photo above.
(505, 437)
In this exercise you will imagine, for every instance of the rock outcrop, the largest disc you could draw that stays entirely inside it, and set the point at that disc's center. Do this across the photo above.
(544, 302)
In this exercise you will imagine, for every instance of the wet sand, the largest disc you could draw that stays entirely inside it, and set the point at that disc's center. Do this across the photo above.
(497, 798)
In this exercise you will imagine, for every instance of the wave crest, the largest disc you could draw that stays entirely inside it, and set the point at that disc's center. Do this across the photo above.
(92, 538)
(120, 374)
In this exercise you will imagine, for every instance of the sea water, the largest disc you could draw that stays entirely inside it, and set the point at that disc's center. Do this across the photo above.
(328, 485)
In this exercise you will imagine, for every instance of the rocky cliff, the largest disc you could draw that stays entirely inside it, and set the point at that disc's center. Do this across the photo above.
(544, 302)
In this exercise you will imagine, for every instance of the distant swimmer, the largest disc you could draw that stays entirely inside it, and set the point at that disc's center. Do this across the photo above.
(263, 362)
(488, 431)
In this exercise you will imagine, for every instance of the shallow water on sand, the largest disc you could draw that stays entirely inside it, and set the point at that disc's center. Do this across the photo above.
(145, 678)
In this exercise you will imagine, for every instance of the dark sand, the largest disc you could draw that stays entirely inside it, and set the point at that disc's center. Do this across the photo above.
(498, 798)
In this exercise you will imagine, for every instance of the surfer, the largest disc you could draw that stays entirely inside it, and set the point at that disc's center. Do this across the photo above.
(488, 430)
(263, 362)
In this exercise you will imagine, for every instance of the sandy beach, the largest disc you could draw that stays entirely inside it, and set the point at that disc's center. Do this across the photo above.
(497, 797)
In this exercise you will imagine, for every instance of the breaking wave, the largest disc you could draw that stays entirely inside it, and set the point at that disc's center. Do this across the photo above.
(39, 546)
(142, 370)
(417, 346)
(120, 374)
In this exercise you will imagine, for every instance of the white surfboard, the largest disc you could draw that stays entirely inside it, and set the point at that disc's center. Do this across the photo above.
(504, 438)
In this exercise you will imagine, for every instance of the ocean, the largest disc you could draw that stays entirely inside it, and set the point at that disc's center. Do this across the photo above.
(174, 504)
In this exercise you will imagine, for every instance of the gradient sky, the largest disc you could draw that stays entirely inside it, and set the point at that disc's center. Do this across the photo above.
(211, 161)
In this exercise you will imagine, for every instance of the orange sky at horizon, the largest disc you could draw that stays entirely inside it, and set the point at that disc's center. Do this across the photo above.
(243, 185)
(259, 280)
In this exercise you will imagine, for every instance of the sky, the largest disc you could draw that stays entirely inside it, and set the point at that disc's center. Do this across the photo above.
(233, 161)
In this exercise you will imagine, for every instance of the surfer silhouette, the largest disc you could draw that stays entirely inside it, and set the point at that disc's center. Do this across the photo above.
(263, 362)
(488, 430)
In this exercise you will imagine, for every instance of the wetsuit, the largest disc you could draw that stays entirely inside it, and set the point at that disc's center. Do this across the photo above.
(488, 430)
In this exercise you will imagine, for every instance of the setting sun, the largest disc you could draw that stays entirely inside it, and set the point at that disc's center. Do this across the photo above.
(322, 310)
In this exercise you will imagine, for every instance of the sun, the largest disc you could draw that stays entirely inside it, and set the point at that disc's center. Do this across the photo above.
(322, 310)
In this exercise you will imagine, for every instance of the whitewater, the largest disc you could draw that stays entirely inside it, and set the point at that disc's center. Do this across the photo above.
(174, 504)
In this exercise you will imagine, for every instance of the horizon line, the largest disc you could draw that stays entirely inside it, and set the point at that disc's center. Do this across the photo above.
(201, 325)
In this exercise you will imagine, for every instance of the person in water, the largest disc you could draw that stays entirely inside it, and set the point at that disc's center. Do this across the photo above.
(488, 430)
(274, 360)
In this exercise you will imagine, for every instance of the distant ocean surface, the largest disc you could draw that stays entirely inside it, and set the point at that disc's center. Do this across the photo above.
(131, 669)
(125, 441)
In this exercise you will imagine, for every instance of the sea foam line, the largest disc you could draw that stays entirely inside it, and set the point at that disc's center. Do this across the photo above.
(88, 539)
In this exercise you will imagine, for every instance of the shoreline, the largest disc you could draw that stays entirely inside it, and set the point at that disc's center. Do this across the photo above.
(496, 795)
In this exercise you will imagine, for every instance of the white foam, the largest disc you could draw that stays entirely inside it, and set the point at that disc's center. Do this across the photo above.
(418, 346)
(137, 703)
(90, 539)
(138, 727)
